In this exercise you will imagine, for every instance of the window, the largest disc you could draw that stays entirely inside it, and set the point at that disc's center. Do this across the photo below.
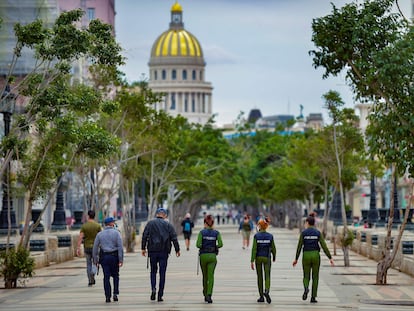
(193, 105)
(164, 74)
(201, 75)
(174, 74)
(172, 107)
(155, 75)
(194, 74)
(184, 74)
(91, 13)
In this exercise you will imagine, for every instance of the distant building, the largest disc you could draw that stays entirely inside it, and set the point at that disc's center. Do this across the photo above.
(24, 12)
(177, 69)
(274, 121)
(254, 115)
(314, 121)
(104, 10)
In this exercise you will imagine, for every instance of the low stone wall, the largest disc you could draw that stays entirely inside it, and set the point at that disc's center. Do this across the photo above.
(58, 248)
(371, 244)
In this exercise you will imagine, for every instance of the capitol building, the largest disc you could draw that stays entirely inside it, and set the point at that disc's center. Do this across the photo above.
(177, 70)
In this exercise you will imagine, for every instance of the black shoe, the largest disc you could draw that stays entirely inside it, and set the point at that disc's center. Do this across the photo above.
(268, 300)
(261, 299)
(115, 298)
(108, 299)
(160, 298)
(313, 300)
(208, 299)
(152, 296)
(305, 294)
(90, 284)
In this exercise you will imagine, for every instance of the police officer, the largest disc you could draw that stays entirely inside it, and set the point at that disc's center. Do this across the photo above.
(157, 238)
(208, 241)
(311, 241)
(262, 251)
(108, 251)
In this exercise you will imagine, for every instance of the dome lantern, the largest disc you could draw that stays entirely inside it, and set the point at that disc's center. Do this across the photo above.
(176, 17)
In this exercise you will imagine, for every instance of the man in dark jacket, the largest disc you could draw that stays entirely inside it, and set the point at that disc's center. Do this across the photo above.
(157, 238)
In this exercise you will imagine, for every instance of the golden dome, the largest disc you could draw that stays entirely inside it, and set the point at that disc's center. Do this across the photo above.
(176, 42)
(176, 7)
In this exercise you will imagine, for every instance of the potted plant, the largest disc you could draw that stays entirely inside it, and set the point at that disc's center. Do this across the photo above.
(14, 264)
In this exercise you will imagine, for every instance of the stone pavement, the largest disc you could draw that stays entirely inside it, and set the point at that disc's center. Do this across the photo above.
(64, 286)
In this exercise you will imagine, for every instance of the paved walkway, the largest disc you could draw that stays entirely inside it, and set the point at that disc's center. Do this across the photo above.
(64, 286)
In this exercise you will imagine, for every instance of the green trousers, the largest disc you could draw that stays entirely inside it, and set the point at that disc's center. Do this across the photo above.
(208, 264)
(311, 261)
(263, 265)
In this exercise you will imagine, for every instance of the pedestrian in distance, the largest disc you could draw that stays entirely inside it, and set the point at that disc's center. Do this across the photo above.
(87, 234)
(188, 226)
(246, 227)
(208, 241)
(109, 253)
(157, 237)
(311, 241)
(263, 250)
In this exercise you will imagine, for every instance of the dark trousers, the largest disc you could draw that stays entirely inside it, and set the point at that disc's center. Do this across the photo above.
(110, 267)
(159, 261)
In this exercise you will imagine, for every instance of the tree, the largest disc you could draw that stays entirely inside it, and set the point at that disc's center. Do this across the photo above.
(59, 122)
(374, 46)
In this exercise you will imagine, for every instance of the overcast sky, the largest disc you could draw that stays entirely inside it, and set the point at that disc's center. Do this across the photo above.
(256, 51)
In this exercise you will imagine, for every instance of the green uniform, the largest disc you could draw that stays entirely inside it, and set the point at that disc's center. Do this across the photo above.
(311, 240)
(263, 248)
(208, 241)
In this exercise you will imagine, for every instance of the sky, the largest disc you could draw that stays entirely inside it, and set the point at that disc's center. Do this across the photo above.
(256, 51)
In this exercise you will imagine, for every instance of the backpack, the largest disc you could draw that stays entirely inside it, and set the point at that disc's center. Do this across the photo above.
(187, 226)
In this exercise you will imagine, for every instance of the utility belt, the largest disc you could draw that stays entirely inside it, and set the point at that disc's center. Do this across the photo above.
(209, 250)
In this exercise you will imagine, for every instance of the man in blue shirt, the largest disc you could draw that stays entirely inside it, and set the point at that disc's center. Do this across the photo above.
(108, 251)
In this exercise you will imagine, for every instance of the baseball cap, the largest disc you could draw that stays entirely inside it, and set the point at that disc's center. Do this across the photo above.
(161, 210)
(108, 220)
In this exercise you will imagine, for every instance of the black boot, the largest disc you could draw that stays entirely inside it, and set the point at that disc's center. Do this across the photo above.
(261, 299)
(305, 294)
(208, 299)
(152, 295)
(266, 294)
(313, 300)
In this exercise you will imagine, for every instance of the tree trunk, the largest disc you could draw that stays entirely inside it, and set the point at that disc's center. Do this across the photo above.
(388, 257)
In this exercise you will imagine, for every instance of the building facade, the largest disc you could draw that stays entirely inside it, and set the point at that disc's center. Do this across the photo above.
(177, 70)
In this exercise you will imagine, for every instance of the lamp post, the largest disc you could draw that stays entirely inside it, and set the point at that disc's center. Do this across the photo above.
(59, 215)
(397, 217)
(372, 212)
(7, 215)
(336, 212)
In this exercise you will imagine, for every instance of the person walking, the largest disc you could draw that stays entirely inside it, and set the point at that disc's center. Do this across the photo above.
(246, 227)
(188, 226)
(311, 241)
(208, 241)
(157, 237)
(87, 234)
(109, 253)
(262, 250)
